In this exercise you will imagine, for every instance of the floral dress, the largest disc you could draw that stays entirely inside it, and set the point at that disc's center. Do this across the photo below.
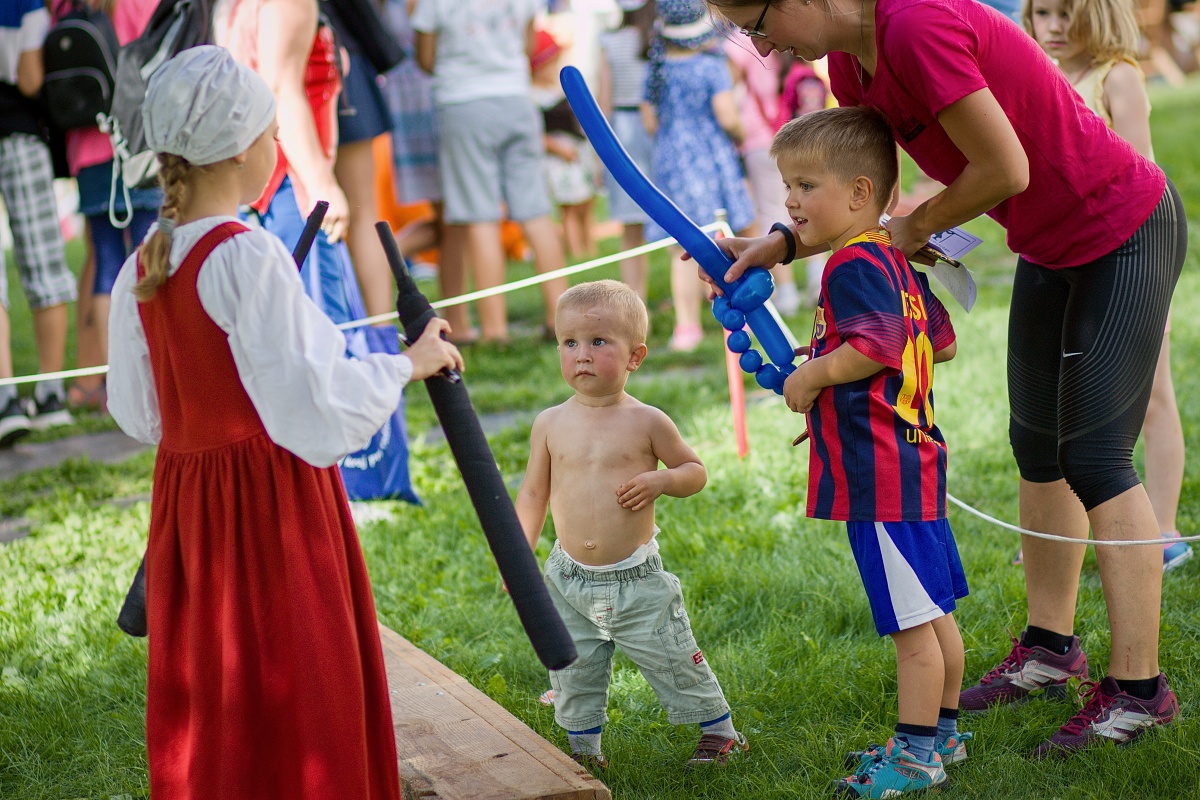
(695, 163)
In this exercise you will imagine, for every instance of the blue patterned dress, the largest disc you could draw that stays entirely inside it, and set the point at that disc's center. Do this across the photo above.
(695, 163)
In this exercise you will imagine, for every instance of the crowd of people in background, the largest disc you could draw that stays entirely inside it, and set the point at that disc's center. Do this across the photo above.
(694, 105)
(466, 144)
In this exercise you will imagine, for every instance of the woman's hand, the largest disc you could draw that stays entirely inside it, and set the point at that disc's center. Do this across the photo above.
(907, 236)
(337, 216)
(763, 251)
(430, 354)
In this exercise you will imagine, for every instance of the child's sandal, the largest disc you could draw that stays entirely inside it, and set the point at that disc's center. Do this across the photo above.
(80, 399)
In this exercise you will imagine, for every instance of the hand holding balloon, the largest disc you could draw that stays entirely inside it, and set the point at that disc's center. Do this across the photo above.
(742, 300)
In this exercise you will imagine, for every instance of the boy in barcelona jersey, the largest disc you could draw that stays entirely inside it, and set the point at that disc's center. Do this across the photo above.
(876, 459)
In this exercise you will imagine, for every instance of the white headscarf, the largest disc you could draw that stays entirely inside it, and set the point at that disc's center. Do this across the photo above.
(204, 106)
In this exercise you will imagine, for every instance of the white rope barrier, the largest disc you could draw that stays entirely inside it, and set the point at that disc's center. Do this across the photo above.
(1050, 537)
(595, 263)
(49, 376)
(721, 227)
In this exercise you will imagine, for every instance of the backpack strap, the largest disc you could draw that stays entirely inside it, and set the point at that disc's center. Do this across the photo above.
(120, 156)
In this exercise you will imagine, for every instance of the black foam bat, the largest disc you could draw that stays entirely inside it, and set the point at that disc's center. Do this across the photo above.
(489, 495)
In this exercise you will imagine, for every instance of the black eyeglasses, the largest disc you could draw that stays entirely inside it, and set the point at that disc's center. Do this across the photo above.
(756, 31)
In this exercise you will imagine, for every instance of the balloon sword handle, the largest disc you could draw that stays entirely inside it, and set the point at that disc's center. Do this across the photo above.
(311, 226)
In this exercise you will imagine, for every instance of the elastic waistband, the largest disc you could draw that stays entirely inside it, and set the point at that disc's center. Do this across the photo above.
(562, 563)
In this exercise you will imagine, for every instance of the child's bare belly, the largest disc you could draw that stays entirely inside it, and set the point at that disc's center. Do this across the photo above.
(594, 529)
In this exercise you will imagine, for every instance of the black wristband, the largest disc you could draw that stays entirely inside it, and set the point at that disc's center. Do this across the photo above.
(789, 238)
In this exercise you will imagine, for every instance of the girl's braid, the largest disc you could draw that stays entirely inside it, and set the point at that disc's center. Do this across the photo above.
(155, 252)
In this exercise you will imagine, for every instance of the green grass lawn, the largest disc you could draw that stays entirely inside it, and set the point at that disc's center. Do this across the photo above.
(774, 597)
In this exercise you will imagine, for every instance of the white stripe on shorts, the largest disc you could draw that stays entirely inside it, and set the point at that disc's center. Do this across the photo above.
(911, 604)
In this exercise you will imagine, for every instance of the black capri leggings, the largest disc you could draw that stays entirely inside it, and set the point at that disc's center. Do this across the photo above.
(1082, 347)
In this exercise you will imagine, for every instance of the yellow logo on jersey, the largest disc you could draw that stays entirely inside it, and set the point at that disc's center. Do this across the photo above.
(819, 323)
(914, 306)
(918, 436)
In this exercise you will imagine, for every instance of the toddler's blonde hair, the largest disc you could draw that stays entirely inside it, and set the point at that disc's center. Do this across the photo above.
(613, 296)
(849, 142)
(1108, 29)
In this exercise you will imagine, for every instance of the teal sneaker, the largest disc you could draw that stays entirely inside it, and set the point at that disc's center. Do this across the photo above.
(952, 751)
(1174, 552)
(892, 773)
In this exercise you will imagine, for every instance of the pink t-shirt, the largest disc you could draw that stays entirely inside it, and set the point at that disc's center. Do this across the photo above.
(87, 147)
(1089, 190)
(759, 107)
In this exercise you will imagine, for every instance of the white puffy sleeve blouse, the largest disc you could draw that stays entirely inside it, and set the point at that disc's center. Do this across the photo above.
(313, 400)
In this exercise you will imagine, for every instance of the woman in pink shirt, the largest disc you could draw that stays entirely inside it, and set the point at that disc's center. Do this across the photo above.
(1101, 238)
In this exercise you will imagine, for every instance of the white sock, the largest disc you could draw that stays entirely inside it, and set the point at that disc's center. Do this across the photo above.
(585, 742)
(722, 726)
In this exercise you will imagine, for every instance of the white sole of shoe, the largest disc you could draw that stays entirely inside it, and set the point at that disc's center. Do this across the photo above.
(43, 422)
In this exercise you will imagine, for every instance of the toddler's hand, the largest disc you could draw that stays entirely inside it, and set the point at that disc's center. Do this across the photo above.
(642, 490)
(431, 353)
(798, 392)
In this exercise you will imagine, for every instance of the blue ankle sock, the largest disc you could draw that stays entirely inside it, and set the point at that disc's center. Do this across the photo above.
(917, 740)
(947, 724)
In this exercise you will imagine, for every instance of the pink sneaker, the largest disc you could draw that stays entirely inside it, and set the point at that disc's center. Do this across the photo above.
(1111, 714)
(1026, 670)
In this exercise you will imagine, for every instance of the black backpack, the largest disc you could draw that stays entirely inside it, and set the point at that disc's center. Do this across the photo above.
(174, 26)
(80, 59)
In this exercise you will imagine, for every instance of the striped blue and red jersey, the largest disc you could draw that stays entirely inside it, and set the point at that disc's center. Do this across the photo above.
(875, 454)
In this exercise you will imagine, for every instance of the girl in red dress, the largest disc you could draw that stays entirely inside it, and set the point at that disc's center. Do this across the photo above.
(265, 676)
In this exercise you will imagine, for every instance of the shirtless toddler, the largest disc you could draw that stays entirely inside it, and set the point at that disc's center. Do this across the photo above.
(593, 463)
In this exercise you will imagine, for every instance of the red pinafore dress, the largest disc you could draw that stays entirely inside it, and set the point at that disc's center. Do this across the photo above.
(266, 675)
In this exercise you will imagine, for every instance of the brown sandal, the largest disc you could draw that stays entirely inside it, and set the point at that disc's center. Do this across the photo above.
(81, 399)
(590, 761)
(716, 749)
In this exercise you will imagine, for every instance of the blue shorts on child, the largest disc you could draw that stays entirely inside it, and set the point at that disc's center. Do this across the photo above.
(911, 571)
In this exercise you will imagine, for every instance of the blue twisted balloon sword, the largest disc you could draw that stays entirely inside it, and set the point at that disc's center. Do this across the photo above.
(743, 299)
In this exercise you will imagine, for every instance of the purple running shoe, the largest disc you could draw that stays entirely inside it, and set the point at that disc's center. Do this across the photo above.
(1111, 714)
(1024, 671)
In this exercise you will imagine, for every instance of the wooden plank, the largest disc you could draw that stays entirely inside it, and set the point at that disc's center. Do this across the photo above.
(453, 741)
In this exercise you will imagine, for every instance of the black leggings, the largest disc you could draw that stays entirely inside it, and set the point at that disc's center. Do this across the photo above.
(1083, 343)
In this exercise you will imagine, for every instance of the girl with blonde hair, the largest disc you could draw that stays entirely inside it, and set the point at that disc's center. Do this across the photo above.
(265, 674)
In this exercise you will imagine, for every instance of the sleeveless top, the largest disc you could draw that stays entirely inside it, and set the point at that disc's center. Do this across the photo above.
(623, 49)
(236, 25)
(1091, 88)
